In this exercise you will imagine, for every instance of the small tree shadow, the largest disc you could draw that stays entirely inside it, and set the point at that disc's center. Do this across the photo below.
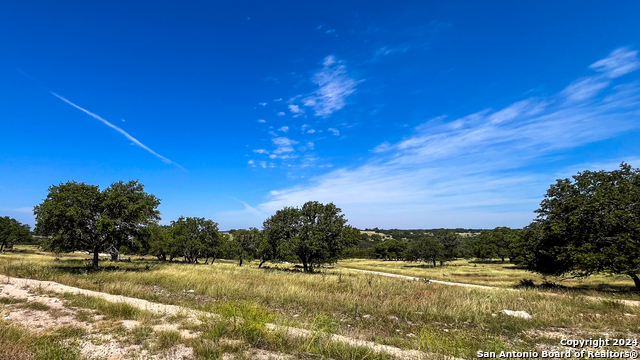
(295, 269)
(88, 268)
(547, 285)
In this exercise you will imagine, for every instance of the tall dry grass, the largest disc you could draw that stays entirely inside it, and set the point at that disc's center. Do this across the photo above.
(436, 318)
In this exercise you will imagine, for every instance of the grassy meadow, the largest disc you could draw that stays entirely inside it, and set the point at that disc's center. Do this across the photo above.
(434, 318)
(495, 273)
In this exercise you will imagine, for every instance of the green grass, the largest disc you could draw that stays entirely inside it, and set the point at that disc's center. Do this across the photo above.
(167, 339)
(10, 301)
(111, 311)
(492, 273)
(34, 305)
(18, 344)
(437, 318)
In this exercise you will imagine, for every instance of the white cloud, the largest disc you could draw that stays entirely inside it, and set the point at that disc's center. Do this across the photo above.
(620, 62)
(284, 129)
(334, 87)
(283, 144)
(330, 31)
(385, 146)
(334, 131)
(126, 134)
(487, 169)
(263, 104)
(388, 50)
(261, 121)
(22, 210)
(260, 151)
(311, 131)
(296, 109)
(281, 113)
(278, 99)
(263, 164)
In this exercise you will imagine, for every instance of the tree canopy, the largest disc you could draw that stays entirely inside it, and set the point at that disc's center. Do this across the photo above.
(496, 243)
(315, 233)
(77, 216)
(12, 231)
(587, 225)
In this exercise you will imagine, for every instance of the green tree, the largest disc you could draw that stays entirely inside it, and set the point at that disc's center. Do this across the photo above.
(588, 225)
(449, 242)
(278, 231)
(424, 248)
(77, 216)
(247, 243)
(315, 233)
(391, 249)
(12, 231)
(496, 243)
(194, 238)
(128, 207)
(156, 237)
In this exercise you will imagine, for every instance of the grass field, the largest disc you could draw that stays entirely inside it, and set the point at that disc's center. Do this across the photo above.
(496, 273)
(433, 318)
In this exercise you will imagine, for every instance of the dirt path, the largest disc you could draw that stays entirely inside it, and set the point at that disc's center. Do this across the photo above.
(165, 309)
(485, 287)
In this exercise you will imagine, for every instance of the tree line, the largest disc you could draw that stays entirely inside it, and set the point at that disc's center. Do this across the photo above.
(584, 225)
(124, 218)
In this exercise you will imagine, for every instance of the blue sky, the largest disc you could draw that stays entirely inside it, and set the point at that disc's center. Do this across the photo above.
(404, 114)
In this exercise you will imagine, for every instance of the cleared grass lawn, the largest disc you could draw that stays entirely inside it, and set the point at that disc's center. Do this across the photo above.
(494, 273)
(410, 314)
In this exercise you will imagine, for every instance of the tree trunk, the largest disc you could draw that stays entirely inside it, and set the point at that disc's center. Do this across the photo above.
(212, 260)
(96, 257)
(206, 261)
(304, 266)
(240, 261)
(261, 262)
(2, 246)
(434, 263)
(636, 280)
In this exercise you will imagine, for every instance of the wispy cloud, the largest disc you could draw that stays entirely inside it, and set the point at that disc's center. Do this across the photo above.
(260, 151)
(284, 129)
(475, 170)
(283, 144)
(335, 132)
(620, 62)
(126, 134)
(22, 210)
(389, 50)
(335, 86)
(296, 109)
(281, 113)
(262, 121)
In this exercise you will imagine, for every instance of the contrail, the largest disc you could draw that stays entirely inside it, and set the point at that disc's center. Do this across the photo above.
(126, 134)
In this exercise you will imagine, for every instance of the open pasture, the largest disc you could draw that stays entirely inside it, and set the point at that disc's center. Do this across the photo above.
(499, 274)
(433, 318)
